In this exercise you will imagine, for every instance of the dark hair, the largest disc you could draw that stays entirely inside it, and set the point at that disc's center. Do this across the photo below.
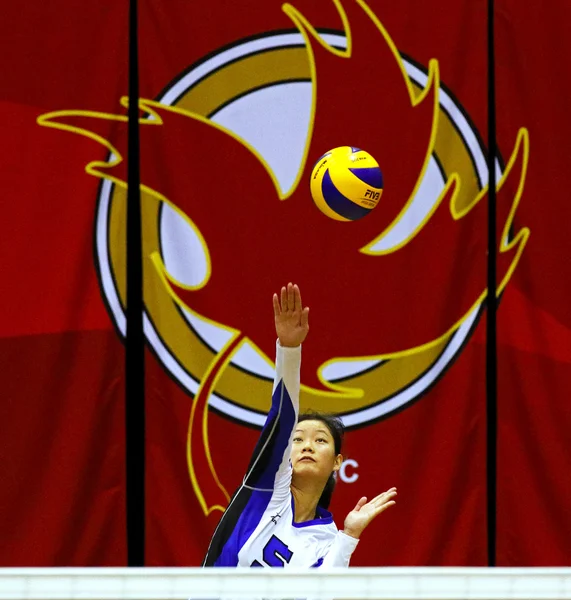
(337, 430)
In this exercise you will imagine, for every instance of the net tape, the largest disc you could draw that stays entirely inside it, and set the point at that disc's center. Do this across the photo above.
(354, 584)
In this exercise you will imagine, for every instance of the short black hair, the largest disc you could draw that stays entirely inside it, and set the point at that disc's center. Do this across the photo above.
(337, 430)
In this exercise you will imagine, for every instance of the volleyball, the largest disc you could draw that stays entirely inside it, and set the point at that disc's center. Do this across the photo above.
(346, 183)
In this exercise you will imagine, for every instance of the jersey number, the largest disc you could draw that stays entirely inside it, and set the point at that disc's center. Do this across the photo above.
(275, 554)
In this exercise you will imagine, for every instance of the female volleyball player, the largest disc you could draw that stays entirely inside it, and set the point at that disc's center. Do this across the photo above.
(279, 514)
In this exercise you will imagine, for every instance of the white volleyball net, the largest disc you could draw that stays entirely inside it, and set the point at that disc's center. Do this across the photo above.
(250, 584)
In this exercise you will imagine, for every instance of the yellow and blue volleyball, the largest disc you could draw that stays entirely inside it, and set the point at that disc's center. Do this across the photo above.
(346, 183)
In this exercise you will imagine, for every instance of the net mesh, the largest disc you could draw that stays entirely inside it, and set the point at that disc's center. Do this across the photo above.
(346, 584)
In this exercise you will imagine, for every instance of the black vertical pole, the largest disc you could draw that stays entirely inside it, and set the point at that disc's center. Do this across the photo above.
(491, 343)
(134, 341)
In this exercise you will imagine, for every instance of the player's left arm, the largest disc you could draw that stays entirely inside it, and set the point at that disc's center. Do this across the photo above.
(339, 553)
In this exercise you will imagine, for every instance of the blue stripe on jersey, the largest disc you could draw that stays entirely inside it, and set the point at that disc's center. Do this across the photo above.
(247, 522)
(370, 175)
(337, 201)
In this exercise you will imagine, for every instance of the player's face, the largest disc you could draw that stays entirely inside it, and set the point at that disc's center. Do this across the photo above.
(313, 451)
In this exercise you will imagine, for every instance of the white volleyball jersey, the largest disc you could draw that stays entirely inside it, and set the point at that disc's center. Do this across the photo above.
(257, 529)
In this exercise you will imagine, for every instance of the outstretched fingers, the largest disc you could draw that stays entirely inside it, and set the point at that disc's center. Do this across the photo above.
(290, 297)
(276, 303)
(289, 300)
(305, 317)
(297, 305)
(385, 495)
(384, 500)
(379, 508)
(361, 503)
(283, 297)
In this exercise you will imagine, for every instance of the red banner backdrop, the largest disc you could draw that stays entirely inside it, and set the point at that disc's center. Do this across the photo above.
(534, 320)
(238, 101)
(61, 414)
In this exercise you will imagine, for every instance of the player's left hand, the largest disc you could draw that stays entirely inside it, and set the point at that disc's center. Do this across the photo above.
(364, 512)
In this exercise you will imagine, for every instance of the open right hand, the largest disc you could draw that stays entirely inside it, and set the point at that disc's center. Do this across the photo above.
(291, 319)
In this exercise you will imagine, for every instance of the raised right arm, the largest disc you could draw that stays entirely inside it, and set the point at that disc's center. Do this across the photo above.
(270, 466)
(268, 476)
